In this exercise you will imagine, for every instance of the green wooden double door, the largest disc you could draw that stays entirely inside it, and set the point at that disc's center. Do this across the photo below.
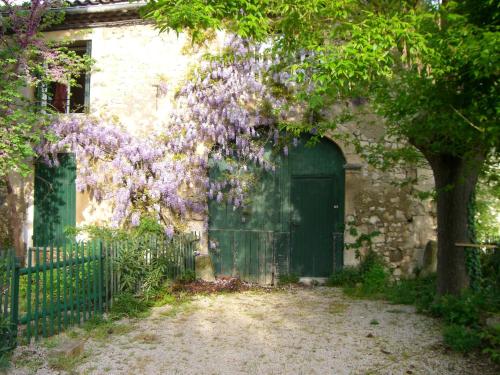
(54, 201)
(293, 224)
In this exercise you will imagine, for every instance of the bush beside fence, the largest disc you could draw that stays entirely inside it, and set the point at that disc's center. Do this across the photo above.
(70, 283)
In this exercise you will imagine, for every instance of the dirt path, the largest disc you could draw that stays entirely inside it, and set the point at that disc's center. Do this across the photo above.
(301, 331)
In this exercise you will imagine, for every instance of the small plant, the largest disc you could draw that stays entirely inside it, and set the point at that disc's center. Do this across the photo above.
(4, 361)
(375, 280)
(287, 279)
(464, 310)
(125, 305)
(66, 363)
(188, 276)
(491, 342)
(460, 338)
(374, 322)
(348, 276)
(420, 291)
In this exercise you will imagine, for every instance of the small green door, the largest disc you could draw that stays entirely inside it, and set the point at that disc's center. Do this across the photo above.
(311, 226)
(55, 200)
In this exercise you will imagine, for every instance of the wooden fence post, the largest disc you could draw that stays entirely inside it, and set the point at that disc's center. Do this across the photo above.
(15, 299)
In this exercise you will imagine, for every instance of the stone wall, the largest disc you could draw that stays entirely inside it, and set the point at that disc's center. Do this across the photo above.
(132, 61)
(378, 201)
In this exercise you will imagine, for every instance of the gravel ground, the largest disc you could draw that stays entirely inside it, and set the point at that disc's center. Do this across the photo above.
(297, 331)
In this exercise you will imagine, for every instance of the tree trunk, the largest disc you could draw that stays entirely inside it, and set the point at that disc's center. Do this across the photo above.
(455, 180)
(15, 219)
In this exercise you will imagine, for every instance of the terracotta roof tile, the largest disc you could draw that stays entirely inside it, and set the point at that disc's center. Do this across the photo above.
(97, 2)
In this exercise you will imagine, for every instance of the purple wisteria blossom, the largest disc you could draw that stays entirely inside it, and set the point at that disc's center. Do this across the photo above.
(226, 107)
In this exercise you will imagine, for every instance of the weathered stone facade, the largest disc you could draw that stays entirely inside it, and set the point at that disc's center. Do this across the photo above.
(383, 202)
(133, 60)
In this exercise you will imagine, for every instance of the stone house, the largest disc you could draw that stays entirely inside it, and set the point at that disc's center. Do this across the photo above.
(300, 220)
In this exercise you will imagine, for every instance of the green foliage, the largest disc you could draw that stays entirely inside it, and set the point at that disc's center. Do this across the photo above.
(287, 279)
(29, 63)
(347, 276)
(148, 226)
(491, 342)
(5, 334)
(490, 266)
(5, 361)
(428, 68)
(369, 279)
(487, 216)
(375, 280)
(126, 305)
(99, 328)
(461, 338)
(464, 310)
(420, 291)
(186, 277)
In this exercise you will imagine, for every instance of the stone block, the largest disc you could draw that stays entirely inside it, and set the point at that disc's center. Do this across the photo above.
(69, 348)
(429, 262)
(204, 268)
(396, 255)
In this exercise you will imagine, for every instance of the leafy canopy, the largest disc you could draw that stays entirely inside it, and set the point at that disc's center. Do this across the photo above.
(430, 69)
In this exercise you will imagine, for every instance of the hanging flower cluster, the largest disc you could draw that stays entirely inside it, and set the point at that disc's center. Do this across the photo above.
(224, 118)
(228, 106)
(138, 175)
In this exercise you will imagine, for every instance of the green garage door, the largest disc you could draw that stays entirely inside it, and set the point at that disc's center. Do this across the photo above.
(313, 217)
(294, 222)
(55, 200)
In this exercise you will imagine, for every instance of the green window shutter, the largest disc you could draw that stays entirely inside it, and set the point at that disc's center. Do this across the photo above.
(55, 200)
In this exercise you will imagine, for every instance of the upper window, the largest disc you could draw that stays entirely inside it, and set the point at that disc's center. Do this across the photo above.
(65, 99)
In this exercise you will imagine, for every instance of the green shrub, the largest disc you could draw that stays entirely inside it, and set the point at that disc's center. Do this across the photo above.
(188, 276)
(370, 260)
(460, 338)
(348, 276)
(420, 291)
(464, 310)
(5, 361)
(490, 337)
(288, 279)
(126, 305)
(375, 280)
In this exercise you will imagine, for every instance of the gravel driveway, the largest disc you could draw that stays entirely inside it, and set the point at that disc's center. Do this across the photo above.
(296, 331)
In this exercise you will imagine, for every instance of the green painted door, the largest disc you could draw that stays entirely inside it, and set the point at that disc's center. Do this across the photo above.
(55, 200)
(266, 238)
(311, 226)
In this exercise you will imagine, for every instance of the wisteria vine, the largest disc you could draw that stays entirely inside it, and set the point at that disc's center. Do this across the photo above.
(225, 116)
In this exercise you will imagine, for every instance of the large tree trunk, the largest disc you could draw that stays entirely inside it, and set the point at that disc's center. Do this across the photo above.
(455, 180)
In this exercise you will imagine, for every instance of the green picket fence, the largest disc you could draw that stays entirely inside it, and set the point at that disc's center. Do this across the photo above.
(70, 283)
(61, 286)
(8, 299)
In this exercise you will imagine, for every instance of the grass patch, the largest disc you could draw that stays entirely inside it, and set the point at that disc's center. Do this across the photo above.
(288, 279)
(348, 276)
(374, 322)
(62, 362)
(125, 305)
(166, 299)
(146, 338)
(5, 362)
(101, 329)
(337, 308)
(461, 339)
(180, 306)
